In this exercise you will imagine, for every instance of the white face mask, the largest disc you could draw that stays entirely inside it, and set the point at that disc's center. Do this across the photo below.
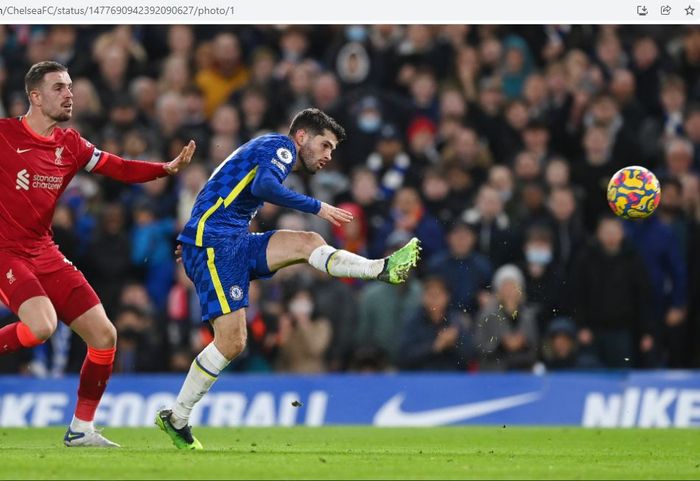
(537, 255)
(369, 123)
(301, 307)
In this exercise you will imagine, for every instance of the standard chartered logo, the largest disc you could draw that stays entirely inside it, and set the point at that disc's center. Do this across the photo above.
(22, 180)
(51, 182)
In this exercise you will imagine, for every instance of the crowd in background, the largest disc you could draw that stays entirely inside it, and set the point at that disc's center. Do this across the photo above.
(492, 144)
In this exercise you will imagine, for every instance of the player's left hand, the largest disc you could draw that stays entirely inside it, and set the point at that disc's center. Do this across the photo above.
(334, 215)
(182, 160)
(178, 253)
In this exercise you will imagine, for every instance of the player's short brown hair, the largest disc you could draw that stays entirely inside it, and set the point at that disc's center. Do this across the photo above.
(36, 73)
(315, 122)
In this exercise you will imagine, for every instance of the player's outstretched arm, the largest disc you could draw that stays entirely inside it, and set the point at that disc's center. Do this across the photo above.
(334, 215)
(182, 160)
(137, 171)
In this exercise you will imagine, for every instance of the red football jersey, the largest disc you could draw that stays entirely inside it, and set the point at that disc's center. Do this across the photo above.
(34, 172)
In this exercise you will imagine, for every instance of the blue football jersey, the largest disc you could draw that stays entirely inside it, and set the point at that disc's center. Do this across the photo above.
(226, 202)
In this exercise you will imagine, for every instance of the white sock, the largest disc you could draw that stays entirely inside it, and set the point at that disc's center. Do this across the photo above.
(341, 263)
(203, 372)
(80, 426)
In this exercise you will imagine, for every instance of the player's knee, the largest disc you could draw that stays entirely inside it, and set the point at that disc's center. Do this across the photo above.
(43, 327)
(310, 241)
(106, 337)
(233, 345)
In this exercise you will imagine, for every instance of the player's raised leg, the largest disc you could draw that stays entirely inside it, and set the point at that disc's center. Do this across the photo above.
(288, 247)
(229, 341)
(99, 334)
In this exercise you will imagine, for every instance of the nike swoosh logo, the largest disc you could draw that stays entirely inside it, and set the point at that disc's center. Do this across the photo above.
(391, 414)
(21, 151)
(74, 436)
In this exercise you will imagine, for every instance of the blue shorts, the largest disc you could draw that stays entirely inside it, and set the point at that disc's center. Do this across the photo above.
(221, 272)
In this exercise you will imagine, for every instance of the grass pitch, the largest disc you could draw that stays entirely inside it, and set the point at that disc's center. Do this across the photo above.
(360, 453)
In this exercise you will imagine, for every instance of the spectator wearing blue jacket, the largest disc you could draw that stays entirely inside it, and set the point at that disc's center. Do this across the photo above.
(662, 255)
(152, 250)
(466, 271)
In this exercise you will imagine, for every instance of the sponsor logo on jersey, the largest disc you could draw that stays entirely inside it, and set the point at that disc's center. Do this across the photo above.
(59, 152)
(38, 181)
(284, 155)
(21, 151)
(236, 293)
(22, 180)
(279, 165)
(10, 277)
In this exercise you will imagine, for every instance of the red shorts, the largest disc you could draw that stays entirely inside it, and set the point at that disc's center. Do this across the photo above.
(48, 274)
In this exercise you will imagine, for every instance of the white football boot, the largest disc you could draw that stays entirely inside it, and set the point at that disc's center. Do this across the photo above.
(88, 439)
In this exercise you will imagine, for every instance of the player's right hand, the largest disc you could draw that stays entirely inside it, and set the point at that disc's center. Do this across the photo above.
(178, 253)
(334, 215)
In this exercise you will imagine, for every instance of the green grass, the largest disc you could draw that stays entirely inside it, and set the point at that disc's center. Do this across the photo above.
(360, 452)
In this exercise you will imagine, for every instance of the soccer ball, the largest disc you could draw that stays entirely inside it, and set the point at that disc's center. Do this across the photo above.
(634, 192)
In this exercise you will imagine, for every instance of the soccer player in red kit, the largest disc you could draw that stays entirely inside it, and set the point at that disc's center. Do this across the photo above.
(38, 160)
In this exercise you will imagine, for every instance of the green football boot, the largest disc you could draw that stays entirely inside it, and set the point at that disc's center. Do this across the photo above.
(398, 265)
(182, 438)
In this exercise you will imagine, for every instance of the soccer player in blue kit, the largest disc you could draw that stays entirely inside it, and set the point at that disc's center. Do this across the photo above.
(221, 256)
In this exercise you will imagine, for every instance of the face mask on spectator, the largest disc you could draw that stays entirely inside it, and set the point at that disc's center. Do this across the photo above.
(505, 195)
(538, 256)
(301, 307)
(369, 123)
(356, 33)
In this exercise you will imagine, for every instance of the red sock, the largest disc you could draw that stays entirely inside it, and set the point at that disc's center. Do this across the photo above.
(93, 381)
(16, 336)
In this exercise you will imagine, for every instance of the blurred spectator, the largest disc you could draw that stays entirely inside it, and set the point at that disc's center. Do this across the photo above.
(662, 254)
(409, 216)
(303, 337)
(138, 342)
(107, 262)
(612, 298)
(593, 173)
(353, 235)
(646, 65)
(678, 157)
(567, 228)
(365, 192)
(560, 348)
(227, 73)
(435, 338)
(545, 281)
(383, 308)
(152, 250)
(656, 132)
(337, 302)
(496, 239)
(439, 200)
(622, 87)
(506, 329)
(465, 271)
(389, 161)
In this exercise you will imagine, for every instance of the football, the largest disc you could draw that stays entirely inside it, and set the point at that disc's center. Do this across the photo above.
(634, 192)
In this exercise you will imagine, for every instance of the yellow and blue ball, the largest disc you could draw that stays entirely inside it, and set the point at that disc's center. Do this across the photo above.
(634, 192)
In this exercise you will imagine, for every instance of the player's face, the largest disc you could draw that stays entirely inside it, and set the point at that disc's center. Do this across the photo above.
(55, 97)
(316, 150)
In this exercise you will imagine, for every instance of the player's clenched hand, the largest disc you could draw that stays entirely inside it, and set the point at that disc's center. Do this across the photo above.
(182, 160)
(334, 215)
(178, 253)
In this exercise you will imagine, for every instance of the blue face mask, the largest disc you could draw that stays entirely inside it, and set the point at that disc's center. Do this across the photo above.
(356, 33)
(369, 123)
(538, 256)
